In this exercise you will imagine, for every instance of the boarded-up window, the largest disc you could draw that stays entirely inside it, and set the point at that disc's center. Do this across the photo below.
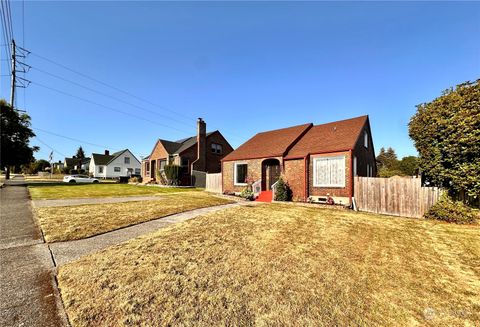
(329, 171)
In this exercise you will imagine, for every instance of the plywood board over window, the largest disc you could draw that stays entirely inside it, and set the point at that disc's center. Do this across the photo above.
(329, 171)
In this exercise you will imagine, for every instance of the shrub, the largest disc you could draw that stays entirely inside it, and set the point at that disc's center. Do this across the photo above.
(73, 171)
(135, 180)
(172, 173)
(452, 211)
(247, 193)
(282, 191)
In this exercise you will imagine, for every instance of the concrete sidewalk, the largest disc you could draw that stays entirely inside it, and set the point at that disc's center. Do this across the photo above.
(28, 291)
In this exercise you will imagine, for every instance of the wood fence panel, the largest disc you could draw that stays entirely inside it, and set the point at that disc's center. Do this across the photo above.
(394, 196)
(214, 183)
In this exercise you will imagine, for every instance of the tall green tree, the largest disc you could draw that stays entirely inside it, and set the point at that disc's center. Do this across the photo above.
(80, 154)
(446, 133)
(15, 133)
(409, 165)
(387, 159)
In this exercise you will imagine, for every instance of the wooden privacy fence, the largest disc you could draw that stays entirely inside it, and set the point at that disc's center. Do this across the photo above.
(394, 196)
(214, 183)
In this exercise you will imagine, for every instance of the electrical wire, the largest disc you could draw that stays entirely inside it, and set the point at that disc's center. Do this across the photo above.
(106, 107)
(108, 96)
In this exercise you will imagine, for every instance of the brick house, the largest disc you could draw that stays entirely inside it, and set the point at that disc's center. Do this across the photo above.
(196, 155)
(315, 160)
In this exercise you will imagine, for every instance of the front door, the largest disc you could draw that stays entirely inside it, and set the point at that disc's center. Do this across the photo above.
(273, 175)
(270, 173)
(153, 165)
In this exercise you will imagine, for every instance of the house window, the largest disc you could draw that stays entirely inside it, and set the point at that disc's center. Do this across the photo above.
(100, 169)
(216, 148)
(137, 171)
(116, 169)
(147, 167)
(240, 174)
(126, 160)
(329, 171)
(365, 139)
(354, 166)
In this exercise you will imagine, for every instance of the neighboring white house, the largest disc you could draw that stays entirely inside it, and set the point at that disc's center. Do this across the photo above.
(119, 164)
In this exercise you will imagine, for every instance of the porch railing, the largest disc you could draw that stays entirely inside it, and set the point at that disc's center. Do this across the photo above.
(257, 188)
(274, 186)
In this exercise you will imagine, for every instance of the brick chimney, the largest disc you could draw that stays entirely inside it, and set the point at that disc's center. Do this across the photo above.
(201, 162)
(107, 153)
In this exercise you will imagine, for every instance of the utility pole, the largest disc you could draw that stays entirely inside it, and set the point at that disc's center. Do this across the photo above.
(14, 67)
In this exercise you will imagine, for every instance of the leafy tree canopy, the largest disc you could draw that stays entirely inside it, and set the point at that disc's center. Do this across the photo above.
(446, 133)
(15, 136)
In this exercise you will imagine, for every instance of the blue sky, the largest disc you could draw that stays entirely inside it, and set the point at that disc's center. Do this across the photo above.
(245, 67)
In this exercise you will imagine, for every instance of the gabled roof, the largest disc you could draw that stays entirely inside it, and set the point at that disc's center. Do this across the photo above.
(269, 144)
(102, 159)
(177, 147)
(336, 136)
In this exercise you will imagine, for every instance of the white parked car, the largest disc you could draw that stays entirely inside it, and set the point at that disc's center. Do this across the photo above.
(79, 179)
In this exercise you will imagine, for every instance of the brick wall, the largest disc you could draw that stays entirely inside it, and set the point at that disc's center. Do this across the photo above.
(294, 176)
(336, 192)
(254, 171)
(213, 159)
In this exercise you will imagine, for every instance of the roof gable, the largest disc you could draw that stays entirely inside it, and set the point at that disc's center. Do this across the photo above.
(102, 159)
(335, 136)
(273, 143)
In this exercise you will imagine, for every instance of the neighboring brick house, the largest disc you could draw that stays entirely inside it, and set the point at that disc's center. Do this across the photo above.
(315, 160)
(196, 155)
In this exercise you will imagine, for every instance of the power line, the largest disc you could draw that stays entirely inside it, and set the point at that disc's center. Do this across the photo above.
(106, 107)
(108, 96)
(7, 4)
(73, 139)
(108, 85)
(48, 146)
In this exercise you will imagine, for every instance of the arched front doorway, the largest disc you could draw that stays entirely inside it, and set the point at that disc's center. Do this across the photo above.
(270, 173)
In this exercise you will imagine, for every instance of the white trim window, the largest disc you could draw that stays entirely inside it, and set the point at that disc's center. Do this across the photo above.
(126, 160)
(240, 173)
(100, 169)
(116, 169)
(329, 171)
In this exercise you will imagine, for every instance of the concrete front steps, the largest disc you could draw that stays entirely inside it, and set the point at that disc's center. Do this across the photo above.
(265, 196)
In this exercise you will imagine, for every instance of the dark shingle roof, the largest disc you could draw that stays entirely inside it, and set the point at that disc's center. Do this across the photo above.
(102, 159)
(177, 147)
(330, 137)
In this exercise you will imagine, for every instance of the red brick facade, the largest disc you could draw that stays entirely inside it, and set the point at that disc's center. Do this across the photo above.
(348, 137)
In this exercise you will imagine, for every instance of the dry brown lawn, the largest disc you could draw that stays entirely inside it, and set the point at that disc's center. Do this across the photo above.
(275, 265)
(80, 221)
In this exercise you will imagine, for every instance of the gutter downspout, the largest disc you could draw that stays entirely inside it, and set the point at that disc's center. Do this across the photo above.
(305, 177)
(350, 191)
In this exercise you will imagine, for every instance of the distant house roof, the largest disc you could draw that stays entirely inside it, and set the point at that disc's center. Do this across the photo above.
(330, 137)
(177, 147)
(70, 162)
(268, 144)
(103, 159)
